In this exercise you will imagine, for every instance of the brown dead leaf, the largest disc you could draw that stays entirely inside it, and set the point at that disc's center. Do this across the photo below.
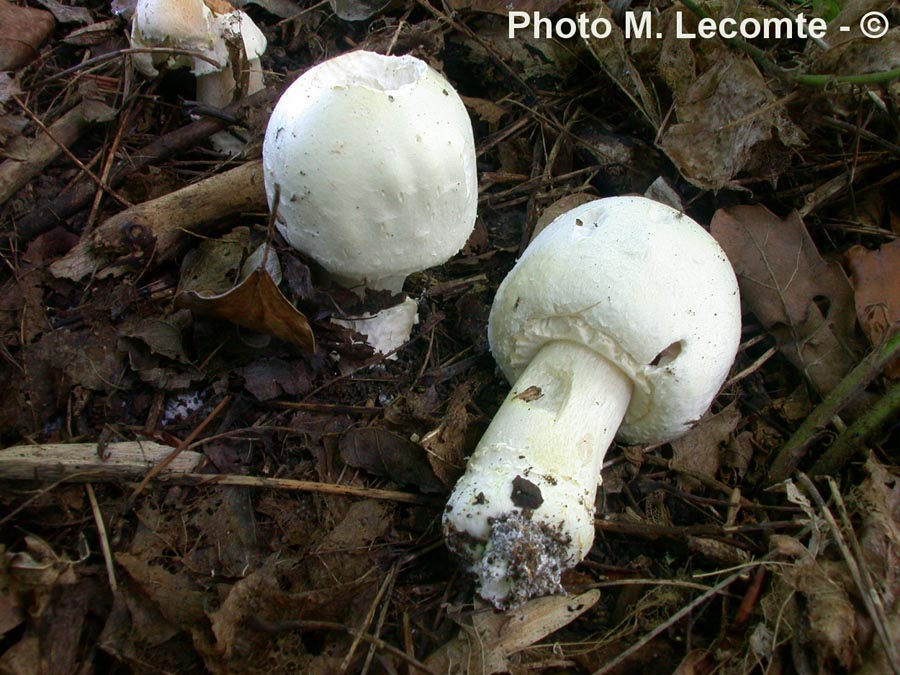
(344, 555)
(224, 279)
(488, 640)
(22, 31)
(726, 119)
(357, 10)
(448, 444)
(23, 657)
(699, 451)
(860, 54)
(257, 304)
(384, 453)
(876, 283)
(801, 299)
(269, 378)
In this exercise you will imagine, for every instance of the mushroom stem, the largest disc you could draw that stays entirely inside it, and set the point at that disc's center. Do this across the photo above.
(524, 510)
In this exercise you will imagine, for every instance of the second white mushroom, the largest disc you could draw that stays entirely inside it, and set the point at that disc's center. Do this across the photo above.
(621, 318)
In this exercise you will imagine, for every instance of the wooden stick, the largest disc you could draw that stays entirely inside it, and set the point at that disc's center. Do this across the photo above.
(155, 229)
(290, 484)
(173, 455)
(82, 461)
(28, 159)
(51, 213)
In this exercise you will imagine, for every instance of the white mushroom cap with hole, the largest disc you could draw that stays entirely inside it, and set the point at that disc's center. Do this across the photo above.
(642, 285)
(374, 158)
(622, 317)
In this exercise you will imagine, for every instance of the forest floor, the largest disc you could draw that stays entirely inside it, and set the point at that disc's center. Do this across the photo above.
(292, 520)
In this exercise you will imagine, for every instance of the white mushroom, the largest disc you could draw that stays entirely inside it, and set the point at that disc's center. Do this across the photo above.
(227, 40)
(374, 160)
(621, 318)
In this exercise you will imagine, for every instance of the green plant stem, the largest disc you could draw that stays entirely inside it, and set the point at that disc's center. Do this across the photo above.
(854, 437)
(869, 368)
(768, 66)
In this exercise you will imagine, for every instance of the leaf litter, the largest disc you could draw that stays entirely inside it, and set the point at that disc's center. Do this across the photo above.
(329, 560)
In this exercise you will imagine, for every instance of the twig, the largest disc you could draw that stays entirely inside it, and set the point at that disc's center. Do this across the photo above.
(76, 462)
(869, 368)
(367, 621)
(81, 195)
(330, 625)
(64, 148)
(112, 56)
(296, 485)
(753, 367)
(158, 468)
(22, 166)
(329, 408)
(155, 228)
(851, 439)
(104, 538)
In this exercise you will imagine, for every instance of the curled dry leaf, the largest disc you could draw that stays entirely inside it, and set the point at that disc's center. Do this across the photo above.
(257, 304)
(805, 302)
(447, 444)
(876, 282)
(22, 31)
(207, 287)
(726, 120)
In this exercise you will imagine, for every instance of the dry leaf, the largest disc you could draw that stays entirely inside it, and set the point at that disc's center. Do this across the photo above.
(699, 451)
(447, 445)
(727, 118)
(357, 10)
(487, 639)
(22, 31)
(804, 301)
(384, 453)
(257, 304)
(876, 282)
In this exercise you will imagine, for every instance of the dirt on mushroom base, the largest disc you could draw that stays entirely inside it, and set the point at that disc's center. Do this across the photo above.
(188, 601)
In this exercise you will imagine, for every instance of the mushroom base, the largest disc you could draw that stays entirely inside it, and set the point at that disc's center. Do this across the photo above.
(523, 559)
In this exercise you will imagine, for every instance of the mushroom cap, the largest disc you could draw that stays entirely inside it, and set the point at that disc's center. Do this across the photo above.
(641, 284)
(374, 158)
(180, 24)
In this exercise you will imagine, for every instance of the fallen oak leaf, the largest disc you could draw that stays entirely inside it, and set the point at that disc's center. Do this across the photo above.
(805, 302)
(727, 120)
